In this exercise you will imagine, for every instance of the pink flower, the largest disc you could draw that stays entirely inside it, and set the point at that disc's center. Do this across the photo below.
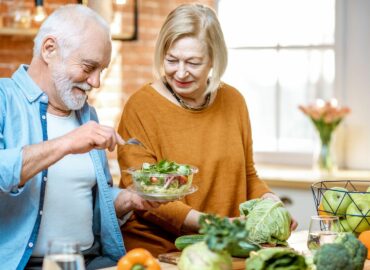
(326, 116)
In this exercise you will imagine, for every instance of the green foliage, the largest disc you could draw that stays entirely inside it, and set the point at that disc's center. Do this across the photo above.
(223, 235)
(165, 166)
(333, 257)
(325, 129)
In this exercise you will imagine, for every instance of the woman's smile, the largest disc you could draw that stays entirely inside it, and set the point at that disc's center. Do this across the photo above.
(181, 84)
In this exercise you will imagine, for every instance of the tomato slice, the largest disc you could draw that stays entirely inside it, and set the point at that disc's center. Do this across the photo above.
(182, 179)
(154, 180)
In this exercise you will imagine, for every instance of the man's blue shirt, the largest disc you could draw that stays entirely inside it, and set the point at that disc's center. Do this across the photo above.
(23, 108)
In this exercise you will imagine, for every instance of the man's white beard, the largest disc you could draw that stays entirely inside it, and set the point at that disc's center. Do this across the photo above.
(64, 86)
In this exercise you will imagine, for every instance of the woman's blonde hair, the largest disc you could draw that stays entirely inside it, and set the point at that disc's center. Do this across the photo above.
(193, 20)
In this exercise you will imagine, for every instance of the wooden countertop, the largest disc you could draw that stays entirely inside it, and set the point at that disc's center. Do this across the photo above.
(303, 177)
(298, 241)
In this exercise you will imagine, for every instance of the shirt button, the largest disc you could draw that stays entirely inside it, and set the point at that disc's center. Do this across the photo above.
(30, 244)
(40, 212)
(43, 117)
(43, 97)
(45, 178)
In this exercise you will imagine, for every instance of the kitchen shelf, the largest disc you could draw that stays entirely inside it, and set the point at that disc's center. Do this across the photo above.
(31, 32)
(12, 31)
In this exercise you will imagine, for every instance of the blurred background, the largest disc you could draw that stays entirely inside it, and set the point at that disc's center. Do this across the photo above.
(282, 54)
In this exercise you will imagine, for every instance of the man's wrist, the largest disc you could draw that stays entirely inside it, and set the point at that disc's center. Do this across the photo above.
(63, 145)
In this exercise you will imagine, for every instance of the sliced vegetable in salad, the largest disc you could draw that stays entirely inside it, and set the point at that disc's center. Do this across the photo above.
(164, 177)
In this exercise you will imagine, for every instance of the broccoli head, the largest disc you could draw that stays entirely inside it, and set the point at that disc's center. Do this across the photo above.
(333, 257)
(355, 248)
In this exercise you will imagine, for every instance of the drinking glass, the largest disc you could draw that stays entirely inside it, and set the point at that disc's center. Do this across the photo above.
(63, 255)
(322, 230)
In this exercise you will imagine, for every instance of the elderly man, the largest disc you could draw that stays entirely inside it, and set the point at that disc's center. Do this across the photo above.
(54, 179)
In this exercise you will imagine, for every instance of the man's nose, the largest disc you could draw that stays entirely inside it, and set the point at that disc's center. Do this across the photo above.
(94, 79)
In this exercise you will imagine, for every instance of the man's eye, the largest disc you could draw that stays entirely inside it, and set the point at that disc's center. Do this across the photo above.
(87, 68)
(195, 64)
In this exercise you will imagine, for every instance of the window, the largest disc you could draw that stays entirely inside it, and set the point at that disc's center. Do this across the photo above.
(281, 54)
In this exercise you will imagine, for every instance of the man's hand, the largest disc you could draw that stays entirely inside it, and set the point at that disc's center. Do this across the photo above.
(91, 136)
(127, 201)
(81, 140)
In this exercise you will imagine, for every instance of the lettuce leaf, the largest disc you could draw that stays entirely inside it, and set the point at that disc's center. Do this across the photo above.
(276, 259)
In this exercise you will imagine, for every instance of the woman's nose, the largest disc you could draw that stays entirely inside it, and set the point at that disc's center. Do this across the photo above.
(181, 71)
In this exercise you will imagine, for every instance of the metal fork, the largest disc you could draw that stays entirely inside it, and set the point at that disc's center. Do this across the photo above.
(134, 141)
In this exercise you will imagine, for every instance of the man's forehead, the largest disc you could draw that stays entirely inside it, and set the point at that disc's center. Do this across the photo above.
(94, 56)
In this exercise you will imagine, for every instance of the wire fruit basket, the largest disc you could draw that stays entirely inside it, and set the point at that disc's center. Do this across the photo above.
(347, 199)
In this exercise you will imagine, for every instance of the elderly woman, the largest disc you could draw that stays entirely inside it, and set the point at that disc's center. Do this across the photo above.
(189, 116)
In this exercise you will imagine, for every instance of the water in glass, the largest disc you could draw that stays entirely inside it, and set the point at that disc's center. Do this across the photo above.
(63, 255)
(322, 230)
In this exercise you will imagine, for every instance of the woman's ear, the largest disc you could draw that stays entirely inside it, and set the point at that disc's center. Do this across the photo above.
(49, 49)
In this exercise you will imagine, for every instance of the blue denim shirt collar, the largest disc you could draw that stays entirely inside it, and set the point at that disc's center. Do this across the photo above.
(28, 87)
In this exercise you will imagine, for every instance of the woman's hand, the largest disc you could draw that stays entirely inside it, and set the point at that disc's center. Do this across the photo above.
(127, 201)
(191, 222)
(272, 196)
(293, 224)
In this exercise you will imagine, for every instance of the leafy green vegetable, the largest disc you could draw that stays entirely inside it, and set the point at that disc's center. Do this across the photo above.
(268, 221)
(223, 235)
(333, 256)
(165, 166)
(199, 257)
(355, 248)
(276, 258)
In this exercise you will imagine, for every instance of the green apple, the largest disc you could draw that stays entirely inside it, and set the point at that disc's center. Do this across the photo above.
(344, 225)
(358, 215)
(367, 194)
(356, 196)
(336, 201)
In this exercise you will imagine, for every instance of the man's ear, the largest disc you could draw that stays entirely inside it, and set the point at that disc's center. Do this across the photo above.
(49, 49)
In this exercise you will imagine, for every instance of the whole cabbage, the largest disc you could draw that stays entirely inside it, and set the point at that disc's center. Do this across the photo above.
(199, 257)
(268, 221)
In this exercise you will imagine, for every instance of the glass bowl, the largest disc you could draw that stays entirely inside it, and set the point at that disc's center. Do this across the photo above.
(162, 186)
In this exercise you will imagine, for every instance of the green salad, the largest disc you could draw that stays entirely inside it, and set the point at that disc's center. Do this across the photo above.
(164, 177)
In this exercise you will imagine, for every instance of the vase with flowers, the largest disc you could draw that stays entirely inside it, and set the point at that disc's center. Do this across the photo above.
(325, 116)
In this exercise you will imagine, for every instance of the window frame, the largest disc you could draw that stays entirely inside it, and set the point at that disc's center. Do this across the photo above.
(305, 158)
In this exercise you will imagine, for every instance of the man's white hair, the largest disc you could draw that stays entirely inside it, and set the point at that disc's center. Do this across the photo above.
(67, 24)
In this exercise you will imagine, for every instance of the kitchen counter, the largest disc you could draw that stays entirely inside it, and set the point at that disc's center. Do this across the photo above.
(297, 241)
(303, 177)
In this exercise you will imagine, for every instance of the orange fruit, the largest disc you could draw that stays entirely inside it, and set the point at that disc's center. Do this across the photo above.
(322, 211)
(364, 237)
